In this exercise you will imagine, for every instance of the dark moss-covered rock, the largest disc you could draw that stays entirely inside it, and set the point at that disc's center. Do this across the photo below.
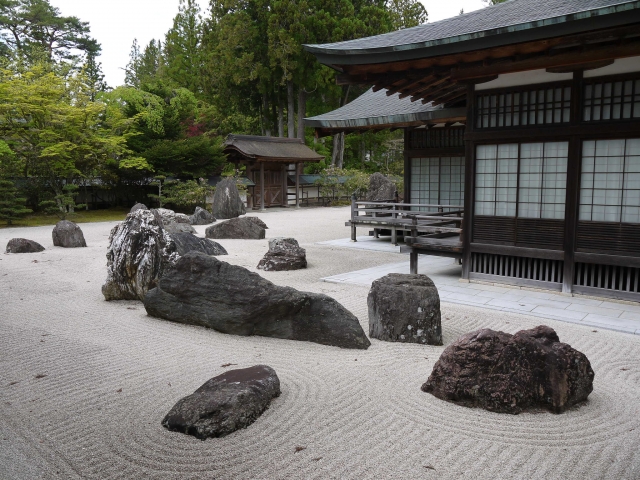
(236, 228)
(225, 403)
(187, 242)
(68, 235)
(507, 373)
(405, 308)
(203, 290)
(226, 200)
(23, 245)
(283, 254)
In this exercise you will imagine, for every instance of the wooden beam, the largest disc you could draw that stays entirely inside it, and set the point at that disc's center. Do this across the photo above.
(580, 67)
(442, 94)
(577, 57)
(417, 93)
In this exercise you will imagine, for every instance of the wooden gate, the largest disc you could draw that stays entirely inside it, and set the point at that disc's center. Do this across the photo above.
(273, 181)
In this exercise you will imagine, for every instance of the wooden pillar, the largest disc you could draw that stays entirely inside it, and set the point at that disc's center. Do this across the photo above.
(285, 187)
(354, 214)
(469, 182)
(573, 186)
(262, 187)
(413, 262)
(407, 167)
(297, 185)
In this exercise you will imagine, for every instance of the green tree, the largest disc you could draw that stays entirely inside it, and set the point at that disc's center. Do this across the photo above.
(11, 204)
(406, 13)
(32, 28)
(182, 50)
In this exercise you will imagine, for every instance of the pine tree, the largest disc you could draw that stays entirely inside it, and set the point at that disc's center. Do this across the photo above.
(11, 205)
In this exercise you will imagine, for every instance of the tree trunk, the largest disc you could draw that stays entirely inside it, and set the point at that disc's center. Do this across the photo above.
(291, 111)
(340, 160)
(302, 111)
(265, 115)
(280, 117)
(363, 151)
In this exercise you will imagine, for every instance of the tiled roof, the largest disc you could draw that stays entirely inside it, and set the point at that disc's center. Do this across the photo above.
(270, 147)
(377, 109)
(510, 16)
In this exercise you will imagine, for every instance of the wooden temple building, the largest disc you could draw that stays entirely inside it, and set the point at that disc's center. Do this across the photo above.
(523, 120)
(273, 164)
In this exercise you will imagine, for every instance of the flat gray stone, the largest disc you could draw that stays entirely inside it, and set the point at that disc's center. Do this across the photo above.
(226, 403)
(247, 228)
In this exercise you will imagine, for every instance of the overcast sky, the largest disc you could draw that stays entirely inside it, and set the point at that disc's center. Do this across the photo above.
(115, 23)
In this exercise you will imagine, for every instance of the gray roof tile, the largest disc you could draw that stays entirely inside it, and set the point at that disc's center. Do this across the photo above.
(254, 146)
(377, 109)
(512, 15)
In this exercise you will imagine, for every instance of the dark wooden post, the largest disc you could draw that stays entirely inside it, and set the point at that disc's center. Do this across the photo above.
(413, 254)
(262, 186)
(394, 230)
(297, 185)
(285, 187)
(573, 186)
(354, 214)
(469, 182)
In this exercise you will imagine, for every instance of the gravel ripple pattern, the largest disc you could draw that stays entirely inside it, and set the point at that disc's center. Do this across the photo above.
(85, 383)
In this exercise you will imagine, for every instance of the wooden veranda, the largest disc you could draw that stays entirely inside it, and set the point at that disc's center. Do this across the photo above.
(427, 229)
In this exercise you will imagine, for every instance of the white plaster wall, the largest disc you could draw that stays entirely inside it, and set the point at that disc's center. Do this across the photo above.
(620, 65)
(524, 78)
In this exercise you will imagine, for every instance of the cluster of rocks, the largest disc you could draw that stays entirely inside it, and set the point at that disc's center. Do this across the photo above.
(283, 254)
(175, 222)
(141, 250)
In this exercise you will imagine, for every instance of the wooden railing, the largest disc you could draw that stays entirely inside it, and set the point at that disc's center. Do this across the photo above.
(422, 220)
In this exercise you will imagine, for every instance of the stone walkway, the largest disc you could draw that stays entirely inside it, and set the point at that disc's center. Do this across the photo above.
(590, 311)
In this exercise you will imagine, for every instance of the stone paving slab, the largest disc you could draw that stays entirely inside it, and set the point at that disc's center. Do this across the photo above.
(592, 312)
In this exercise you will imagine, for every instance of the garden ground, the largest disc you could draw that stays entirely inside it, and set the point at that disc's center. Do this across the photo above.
(84, 383)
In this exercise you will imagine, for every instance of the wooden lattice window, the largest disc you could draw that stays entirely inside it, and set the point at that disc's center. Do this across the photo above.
(611, 100)
(610, 181)
(437, 180)
(532, 106)
(525, 180)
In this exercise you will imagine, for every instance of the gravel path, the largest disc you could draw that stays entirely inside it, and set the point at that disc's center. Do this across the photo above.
(84, 383)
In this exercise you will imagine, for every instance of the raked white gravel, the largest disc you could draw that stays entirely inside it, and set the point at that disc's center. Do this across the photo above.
(109, 373)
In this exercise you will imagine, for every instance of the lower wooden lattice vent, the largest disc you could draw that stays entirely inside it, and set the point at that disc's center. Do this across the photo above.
(537, 269)
(607, 277)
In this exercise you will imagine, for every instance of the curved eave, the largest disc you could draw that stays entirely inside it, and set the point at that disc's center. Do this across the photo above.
(605, 17)
(388, 121)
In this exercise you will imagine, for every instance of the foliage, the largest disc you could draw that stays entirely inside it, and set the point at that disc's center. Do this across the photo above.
(160, 181)
(35, 30)
(63, 205)
(337, 183)
(54, 129)
(189, 194)
(11, 205)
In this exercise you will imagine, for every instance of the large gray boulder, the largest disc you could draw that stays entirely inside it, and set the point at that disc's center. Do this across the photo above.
(201, 217)
(405, 308)
(202, 290)
(507, 373)
(174, 222)
(381, 188)
(68, 235)
(225, 403)
(187, 242)
(226, 200)
(139, 252)
(23, 245)
(283, 254)
(237, 228)
(138, 206)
